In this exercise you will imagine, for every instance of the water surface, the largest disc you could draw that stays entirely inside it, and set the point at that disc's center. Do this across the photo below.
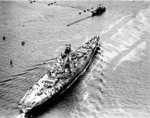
(117, 84)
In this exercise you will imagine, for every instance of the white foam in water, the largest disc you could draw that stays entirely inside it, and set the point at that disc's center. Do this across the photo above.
(85, 96)
(130, 31)
(123, 39)
(141, 17)
(110, 54)
(144, 17)
(119, 49)
(104, 31)
(143, 28)
(118, 21)
(120, 39)
(115, 24)
(133, 32)
(126, 36)
(142, 46)
(122, 48)
(133, 55)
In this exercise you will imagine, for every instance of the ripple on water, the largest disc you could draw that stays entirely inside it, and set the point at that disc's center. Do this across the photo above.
(144, 17)
(134, 55)
(98, 94)
(127, 41)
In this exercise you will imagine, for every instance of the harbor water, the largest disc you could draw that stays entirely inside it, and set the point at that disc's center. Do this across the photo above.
(117, 84)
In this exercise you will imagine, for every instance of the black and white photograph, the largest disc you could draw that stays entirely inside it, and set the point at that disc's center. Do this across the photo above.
(74, 59)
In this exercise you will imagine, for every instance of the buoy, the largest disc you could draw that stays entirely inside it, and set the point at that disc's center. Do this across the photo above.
(22, 43)
(11, 63)
(4, 38)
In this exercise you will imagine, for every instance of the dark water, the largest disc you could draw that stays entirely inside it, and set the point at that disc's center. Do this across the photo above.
(116, 86)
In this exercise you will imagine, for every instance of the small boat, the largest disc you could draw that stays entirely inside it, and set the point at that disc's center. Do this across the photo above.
(31, 1)
(55, 82)
(99, 10)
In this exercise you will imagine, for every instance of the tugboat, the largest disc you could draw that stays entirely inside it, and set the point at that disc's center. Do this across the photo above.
(99, 10)
(60, 77)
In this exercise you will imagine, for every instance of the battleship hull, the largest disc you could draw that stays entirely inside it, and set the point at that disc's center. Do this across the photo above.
(49, 88)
